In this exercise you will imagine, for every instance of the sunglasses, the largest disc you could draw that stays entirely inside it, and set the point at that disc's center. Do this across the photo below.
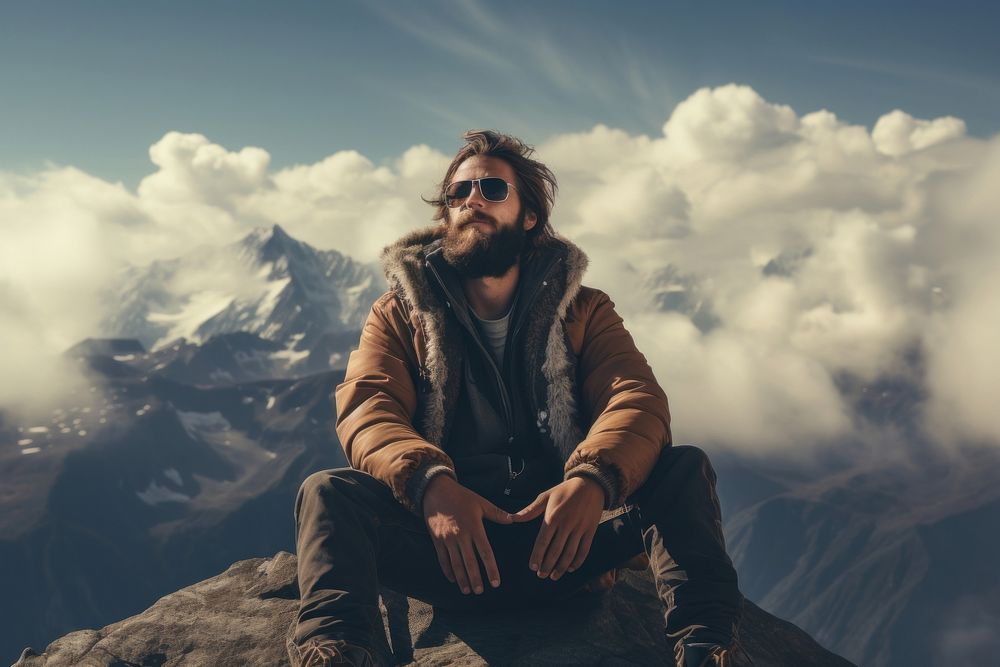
(492, 188)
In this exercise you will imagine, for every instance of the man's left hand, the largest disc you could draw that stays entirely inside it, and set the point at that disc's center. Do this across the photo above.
(572, 511)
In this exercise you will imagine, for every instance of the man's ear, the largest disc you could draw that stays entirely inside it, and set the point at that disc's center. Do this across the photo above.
(530, 219)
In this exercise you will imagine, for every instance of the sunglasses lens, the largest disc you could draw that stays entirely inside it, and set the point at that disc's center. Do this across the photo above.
(493, 189)
(455, 193)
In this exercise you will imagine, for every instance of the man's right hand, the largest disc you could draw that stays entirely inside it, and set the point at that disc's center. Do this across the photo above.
(454, 517)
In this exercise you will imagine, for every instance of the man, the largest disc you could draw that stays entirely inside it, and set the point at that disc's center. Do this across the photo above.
(494, 412)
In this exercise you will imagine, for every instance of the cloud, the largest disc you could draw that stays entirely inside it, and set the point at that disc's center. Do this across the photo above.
(726, 387)
(963, 355)
(192, 168)
(813, 249)
(730, 123)
(898, 133)
(61, 239)
(758, 255)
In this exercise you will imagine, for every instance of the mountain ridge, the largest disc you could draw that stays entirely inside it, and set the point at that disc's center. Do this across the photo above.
(266, 283)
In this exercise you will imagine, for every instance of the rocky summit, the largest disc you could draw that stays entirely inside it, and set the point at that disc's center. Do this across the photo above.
(241, 618)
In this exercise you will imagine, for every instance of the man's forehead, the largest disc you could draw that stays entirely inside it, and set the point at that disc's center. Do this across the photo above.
(479, 166)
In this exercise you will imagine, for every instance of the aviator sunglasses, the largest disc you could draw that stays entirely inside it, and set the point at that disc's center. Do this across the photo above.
(492, 188)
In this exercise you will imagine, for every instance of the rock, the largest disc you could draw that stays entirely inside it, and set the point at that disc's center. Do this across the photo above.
(241, 617)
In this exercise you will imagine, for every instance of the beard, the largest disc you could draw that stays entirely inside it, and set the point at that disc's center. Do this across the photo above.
(474, 253)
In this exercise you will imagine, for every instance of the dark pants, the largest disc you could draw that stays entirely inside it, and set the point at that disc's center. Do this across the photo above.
(354, 537)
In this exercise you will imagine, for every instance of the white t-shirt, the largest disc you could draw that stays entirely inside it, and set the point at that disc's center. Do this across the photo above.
(494, 333)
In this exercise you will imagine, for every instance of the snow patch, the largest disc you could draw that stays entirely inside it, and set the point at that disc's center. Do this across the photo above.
(357, 290)
(198, 423)
(267, 303)
(184, 323)
(155, 494)
(290, 355)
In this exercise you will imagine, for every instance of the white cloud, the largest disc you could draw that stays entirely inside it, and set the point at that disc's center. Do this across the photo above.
(961, 339)
(728, 123)
(191, 168)
(61, 237)
(807, 241)
(898, 133)
(727, 387)
(797, 248)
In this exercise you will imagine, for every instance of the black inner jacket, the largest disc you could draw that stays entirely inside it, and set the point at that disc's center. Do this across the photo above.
(483, 443)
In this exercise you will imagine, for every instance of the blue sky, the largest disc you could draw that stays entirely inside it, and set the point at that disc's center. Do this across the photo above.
(94, 84)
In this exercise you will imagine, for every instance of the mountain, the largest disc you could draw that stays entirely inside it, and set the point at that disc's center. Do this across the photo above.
(889, 563)
(308, 304)
(886, 558)
(144, 484)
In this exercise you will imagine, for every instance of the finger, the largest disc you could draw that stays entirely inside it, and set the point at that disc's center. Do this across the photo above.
(541, 544)
(533, 510)
(471, 565)
(553, 553)
(458, 567)
(583, 551)
(486, 555)
(495, 514)
(568, 555)
(444, 561)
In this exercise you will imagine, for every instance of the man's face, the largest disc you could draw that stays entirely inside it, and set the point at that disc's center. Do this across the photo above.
(485, 238)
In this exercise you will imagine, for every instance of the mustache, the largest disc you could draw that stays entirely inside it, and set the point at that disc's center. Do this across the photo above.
(476, 216)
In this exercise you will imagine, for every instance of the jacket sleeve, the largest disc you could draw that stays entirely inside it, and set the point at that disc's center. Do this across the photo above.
(376, 403)
(629, 415)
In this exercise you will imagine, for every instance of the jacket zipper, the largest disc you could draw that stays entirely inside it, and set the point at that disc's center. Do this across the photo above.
(508, 351)
(508, 415)
(498, 374)
(509, 346)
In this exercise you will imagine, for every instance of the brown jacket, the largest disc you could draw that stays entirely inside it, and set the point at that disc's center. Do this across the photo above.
(596, 399)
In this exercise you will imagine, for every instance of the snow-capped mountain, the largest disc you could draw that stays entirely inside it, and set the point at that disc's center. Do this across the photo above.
(306, 303)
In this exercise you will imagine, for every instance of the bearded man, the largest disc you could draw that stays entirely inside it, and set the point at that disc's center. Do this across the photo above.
(508, 442)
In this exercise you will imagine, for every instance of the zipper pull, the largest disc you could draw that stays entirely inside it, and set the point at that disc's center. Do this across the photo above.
(512, 475)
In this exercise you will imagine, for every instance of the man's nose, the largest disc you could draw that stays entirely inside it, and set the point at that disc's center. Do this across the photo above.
(475, 197)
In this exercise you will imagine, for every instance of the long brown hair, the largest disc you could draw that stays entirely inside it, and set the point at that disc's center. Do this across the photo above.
(535, 182)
